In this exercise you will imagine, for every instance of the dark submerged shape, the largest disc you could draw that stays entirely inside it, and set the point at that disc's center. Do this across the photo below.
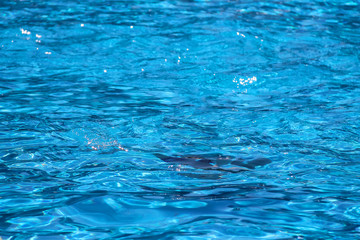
(215, 162)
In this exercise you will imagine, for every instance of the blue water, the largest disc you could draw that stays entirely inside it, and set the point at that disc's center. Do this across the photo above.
(179, 119)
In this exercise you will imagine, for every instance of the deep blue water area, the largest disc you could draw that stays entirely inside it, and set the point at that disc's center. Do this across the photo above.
(179, 119)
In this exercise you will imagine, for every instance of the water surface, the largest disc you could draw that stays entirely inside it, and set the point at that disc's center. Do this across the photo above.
(179, 119)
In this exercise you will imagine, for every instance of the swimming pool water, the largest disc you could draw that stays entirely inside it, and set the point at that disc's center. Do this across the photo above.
(179, 119)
